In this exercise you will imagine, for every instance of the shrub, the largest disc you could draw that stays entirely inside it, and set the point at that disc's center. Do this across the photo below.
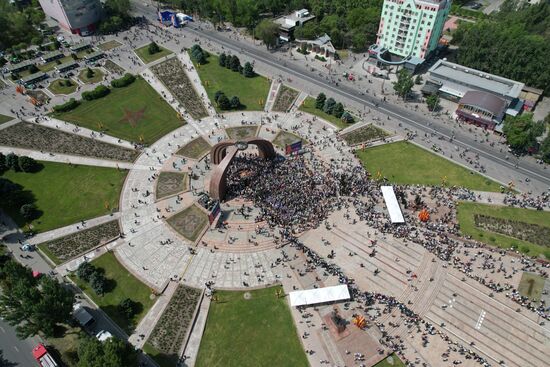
(338, 110)
(235, 63)
(320, 101)
(248, 70)
(221, 60)
(153, 48)
(128, 308)
(98, 282)
(347, 117)
(67, 106)
(2, 163)
(320, 58)
(29, 211)
(235, 102)
(198, 54)
(27, 164)
(99, 92)
(85, 271)
(89, 73)
(12, 162)
(217, 95)
(329, 106)
(124, 81)
(223, 102)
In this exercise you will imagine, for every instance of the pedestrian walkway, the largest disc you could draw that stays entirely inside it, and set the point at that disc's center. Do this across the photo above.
(299, 100)
(272, 96)
(77, 130)
(191, 350)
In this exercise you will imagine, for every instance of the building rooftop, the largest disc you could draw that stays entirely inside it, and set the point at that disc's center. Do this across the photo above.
(51, 55)
(66, 65)
(80, 46)
(290, 20)
(32, 77)
(471, 77)
(93, 55)
(21, 65)
(485, 101)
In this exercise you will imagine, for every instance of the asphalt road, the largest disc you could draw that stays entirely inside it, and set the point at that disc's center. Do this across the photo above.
(16, 352)
(409, 119)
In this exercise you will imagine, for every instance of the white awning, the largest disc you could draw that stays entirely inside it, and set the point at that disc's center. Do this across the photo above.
(319, 295)
(396, 216)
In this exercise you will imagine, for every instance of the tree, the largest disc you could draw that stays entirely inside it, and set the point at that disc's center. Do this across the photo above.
(223, 102)
(320, 101)
(248, 70)
(12, 162)
(433, 102)
(347, 117)
(522, 132)
(221, 60)
(235, 102)
(85, 271)
(120, 7)
(110, 353)
(98, 282)
(217, 95)
(329, 106)
(27, 164)
(338, 110)
(235, 63)
(308, 31)
(128, 308)
(3, 166)
(29, 211)
(89, 73)
(153, 48)
(267, 31)
(33, 306)
(403, 85)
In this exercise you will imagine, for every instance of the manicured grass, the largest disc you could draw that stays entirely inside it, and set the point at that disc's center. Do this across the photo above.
(67, 194)
(252, 92)
(122, 285)
(406, 163)
(4, 118)
(531, 286)
(96, 78)
(309, 107)
(465, 216)
(146, 57)
(255, 332)
(56, 87)
(111, 113)
(390, 361)
(109, 45)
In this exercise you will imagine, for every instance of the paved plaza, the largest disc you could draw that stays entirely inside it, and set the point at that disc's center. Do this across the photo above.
(456, 299)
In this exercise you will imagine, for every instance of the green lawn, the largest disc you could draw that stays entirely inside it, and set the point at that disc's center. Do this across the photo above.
(531, 286)
(252, 92)
(4, 118)
(67, 194)
(122, 285)
(250, 333)
(96, 78)
(135, 113)
(309, 107)
(465, 216)
(58, 86)
(143, 53)
(390, 361)
(406, 163)
(109, 45)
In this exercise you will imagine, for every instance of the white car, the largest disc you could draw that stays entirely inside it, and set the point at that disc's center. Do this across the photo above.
(103, 335)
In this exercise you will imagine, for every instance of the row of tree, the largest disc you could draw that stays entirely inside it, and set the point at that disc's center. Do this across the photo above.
(232, 62)
(523, 135)
(224, 103)
(18, 163)
(331, 107)
(513, 43)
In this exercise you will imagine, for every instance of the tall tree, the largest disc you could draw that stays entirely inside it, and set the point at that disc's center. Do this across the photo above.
(112, 352)
(404, 84)
(267, 31)
(522, 132)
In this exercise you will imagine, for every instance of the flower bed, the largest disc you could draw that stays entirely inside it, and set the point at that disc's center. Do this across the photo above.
(364, 134)
(285, 98)
(174, 78)
(189, 223)
(38, 137)
(171, 183)
(170, 331)
(195, 149)
(241, 132)
(529, 232)
(113, 67)
(70, 246)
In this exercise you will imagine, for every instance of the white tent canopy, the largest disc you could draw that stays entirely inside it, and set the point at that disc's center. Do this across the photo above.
(319, 295)
(396, 216)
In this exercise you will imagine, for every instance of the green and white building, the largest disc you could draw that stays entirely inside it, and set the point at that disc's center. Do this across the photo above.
(412, 28)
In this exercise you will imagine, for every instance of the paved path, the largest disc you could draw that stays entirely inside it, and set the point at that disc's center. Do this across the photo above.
(71, 159)
(193, 344)
(272, 95)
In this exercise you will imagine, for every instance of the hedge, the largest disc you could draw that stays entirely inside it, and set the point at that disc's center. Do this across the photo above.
(70, 105)
(124, 81)
(99, 92)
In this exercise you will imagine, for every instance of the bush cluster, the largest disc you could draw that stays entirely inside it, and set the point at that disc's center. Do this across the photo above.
(67, 106)
(232, 62)
(198, 54)
(18, 163)
(99, 92)
(225, 103)
(124, 81)
(94, 276)
(331, 107)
